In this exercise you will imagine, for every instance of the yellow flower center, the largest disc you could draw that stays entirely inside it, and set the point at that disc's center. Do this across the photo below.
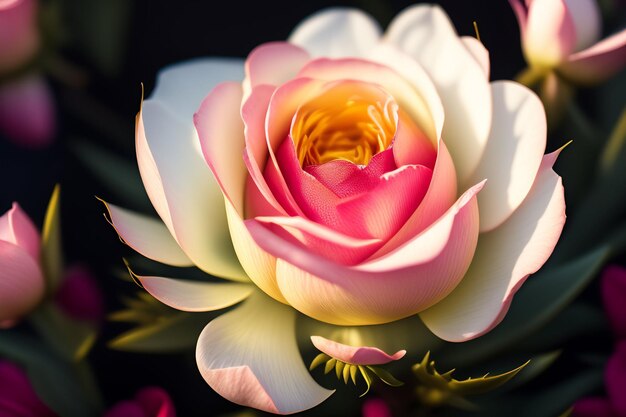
(350, 120)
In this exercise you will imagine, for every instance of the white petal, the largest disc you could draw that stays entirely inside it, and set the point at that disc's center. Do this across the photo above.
(337, 32)
(250, 357)
(194, 295)
(504, 259)
(425, 33)
(513, 154)
(478, 51)
(148, 236)
(184, 191)
(182, 87)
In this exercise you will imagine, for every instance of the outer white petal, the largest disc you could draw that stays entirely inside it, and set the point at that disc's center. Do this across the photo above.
(504, 258)
(194, 295)
(182, 87)
(148, 236)
(250, 357)
(426, 33)
(479, 52)
(336, 33)
(513, 154)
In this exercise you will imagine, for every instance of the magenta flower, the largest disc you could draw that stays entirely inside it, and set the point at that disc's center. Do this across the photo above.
(19, 34)
(79, 295)
(17, 396)
(149, 402)
(614, 298)
(375, 407)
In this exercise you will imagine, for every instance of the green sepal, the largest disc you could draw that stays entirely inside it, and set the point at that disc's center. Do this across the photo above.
(385, 376)
(51, 249)
(319, 359)
(330, 365)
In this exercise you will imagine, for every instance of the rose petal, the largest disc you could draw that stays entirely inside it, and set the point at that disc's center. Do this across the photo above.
(220, 129)
(17, 228)
(380, 291)
(615, 378)
(356, 355)
(258, 264)
(425, 33)
(587, 21)
(614, 298)
(250, 357)
(175, 175)
(550, 35)
(479, 52)
(273, 63)
(21, 282)
(513, 153)
(504, 259)
(337, 32)
(599, 62)
(194, 295)
(148, 236)
(182, 87)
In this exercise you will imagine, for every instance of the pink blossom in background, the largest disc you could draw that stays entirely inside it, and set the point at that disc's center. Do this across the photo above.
(613, 286)
(149, 402)
(27, 112)
(21, 277)
(375, 407)
(17, 396)
(79, 295)
(565, 34)
(19, 34)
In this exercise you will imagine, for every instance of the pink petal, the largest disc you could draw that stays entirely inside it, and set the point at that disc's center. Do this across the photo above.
(250, 357)
(273, 64)
(27, 112)
(587, 19)
(374, 213)
(513, 153)
(615, 378)
(21, 282)
(79, 295)
(425, 33)
(356, 355)
(337, 32)
(599, 62)
(321, 239)
(220, 129)
(398, 285)
(550, 35)
(593, 407)
(17, 396)
(504, 259)
(411, 146)
(17, 228)
(147, 235)
(614, 298)
(156, 402)
(19, 34)
(439, 198)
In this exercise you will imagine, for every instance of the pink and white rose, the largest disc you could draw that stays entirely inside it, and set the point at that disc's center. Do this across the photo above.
(353, 176)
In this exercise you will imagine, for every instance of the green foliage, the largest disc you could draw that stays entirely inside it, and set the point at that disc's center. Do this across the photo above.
(437, 389)
(51, 249)
(345, 371)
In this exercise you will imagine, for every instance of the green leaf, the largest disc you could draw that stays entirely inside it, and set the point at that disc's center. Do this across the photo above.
(385, 376)
(68, 389)
(367, 378)
(118, 174)
(174, 333)
(51, 248)
(539, 300)
(72, 339)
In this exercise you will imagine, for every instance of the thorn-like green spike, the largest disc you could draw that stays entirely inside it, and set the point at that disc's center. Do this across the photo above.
(367, 378)
(346, 373)
(319, 359)
(353, 370)
(339, 368)
(330, 365)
